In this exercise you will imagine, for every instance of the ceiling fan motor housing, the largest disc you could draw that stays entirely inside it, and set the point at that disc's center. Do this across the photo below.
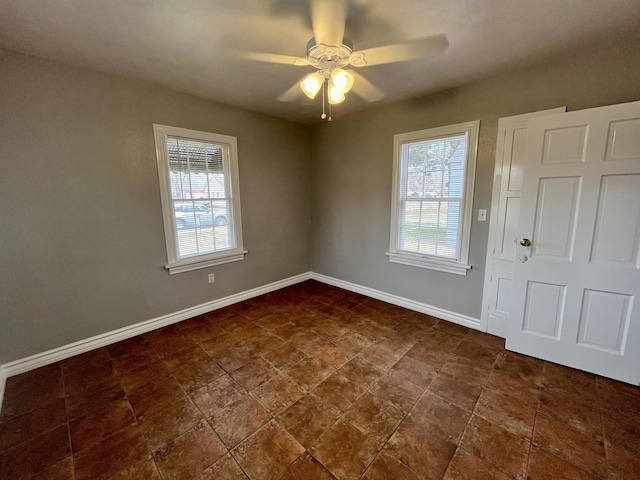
(328, 57)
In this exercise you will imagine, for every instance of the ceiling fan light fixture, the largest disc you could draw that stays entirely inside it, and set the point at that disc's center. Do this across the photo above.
(311, 84)
(335, 94)
(342, 79)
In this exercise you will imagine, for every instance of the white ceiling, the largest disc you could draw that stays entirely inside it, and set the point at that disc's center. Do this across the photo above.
(194, 46)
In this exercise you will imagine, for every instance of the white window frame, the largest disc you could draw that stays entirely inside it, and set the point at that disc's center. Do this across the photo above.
(458, 266)
(175, 264)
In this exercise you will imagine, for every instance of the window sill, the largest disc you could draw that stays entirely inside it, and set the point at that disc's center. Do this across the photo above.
(196, 263)
(427, 262)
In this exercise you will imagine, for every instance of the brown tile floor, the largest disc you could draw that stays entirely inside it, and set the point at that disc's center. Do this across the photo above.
(314, 382)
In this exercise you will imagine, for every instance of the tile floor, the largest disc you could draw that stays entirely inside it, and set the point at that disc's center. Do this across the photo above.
(314, 382)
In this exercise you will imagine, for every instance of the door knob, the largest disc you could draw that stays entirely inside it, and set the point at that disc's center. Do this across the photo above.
(525, 242)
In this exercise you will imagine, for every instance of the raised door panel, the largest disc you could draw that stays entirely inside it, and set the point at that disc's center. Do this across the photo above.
(518, 147)
(623, 141)
(565, 145)
(604, 320)
(555, 217)
(617, 230)
(503, 295)
(509, 222)
(544, 309)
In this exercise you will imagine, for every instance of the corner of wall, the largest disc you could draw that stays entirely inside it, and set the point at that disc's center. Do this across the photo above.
(416, 306)
(45, 358)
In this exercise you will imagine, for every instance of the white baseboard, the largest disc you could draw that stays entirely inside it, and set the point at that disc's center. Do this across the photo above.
(3, 382)
(41, 359)
(401, 301)
(51, 356)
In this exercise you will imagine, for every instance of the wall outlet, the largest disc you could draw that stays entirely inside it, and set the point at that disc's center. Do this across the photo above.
(212, 277)
(482, 215)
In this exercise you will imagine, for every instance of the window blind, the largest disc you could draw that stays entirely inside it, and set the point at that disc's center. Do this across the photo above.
(432, 185)
(201, 196)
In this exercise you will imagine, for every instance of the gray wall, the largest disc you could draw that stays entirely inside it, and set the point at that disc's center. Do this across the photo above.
(82, 243)
(81, 237)
(352, 160)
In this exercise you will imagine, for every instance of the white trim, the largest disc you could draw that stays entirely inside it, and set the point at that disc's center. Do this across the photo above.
(41, 359)
(471, 129)
(201, 262)
(3, 382)
(174, 263)
(414, 260)
(448, 315)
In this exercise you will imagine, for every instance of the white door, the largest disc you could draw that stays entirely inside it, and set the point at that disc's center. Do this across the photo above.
(503, 220)
(576, 288)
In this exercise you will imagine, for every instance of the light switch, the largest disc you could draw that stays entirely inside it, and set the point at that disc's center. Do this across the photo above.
(482, 215)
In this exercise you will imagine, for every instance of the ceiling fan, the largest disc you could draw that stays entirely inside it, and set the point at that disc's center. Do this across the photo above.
(330, 52)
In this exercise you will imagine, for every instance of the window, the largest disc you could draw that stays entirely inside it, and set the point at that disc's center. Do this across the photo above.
(198, 175)
(432, 194)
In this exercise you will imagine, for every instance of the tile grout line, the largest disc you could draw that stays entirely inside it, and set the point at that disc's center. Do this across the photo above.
(196, 406)
(422, 395)
(66, 409)
(366, 390)
(66, 422)
(604, 440)
(459, 444)
(150, 451)
(535, 421)
(570, 427)
(426, 388)
(250, 393)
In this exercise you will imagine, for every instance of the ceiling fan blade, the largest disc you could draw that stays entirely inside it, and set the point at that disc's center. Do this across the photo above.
(424, 47)
(292, 94)
(328, 18)
(365, 89)
(274, 58)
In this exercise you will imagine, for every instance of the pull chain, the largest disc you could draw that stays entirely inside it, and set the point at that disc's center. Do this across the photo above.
(324, 102)
(324, 115)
